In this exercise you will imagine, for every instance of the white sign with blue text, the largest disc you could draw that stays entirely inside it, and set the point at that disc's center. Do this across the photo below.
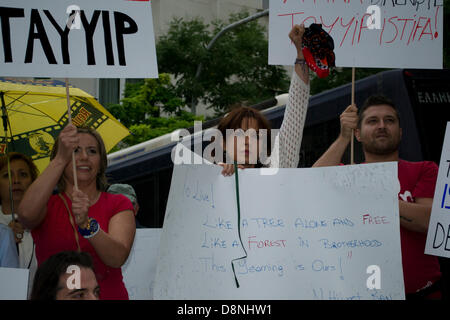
(323, 233)
(77, 39)
(438, 238)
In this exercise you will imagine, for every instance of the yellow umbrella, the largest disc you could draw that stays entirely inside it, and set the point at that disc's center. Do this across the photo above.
(37, 112)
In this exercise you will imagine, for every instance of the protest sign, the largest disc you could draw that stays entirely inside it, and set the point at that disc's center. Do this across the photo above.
(140, 269)
(438, 237)
(82, 39)
(324, 233)
(366, 33)
(14, 283)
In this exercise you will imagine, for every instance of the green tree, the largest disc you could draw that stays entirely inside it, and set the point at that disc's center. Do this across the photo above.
(142, 106)
(145, 99)
(235, 69)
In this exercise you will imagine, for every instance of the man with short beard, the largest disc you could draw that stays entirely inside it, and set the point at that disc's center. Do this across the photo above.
(377, 127)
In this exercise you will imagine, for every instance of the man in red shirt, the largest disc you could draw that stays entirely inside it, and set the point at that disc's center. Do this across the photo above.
(377, 128)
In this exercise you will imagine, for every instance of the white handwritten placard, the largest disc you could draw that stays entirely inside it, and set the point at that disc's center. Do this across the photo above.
(140, 269)
(324, 233)
(103, 39)
(366, 33)
(438, 237)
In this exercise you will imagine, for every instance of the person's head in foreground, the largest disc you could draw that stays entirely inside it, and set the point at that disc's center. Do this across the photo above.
(68, 275)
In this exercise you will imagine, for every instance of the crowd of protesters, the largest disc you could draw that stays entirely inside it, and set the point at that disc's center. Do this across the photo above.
(65, 219)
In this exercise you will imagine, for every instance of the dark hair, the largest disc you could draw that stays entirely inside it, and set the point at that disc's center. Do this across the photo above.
(376, 100)
(233, 120)
(101, 179)
(46, 280)
(20, 156)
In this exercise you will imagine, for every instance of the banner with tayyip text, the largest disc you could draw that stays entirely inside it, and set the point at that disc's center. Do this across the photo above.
(77, 39)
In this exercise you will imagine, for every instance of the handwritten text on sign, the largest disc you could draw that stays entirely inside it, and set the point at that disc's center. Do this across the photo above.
(366, 33)
(14, 283)
(438, 238)
(101, 38)
(308, 234)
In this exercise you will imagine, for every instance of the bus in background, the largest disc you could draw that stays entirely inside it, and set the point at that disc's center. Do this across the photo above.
(422, 97)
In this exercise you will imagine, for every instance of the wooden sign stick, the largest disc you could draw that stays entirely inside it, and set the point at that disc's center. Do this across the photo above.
(69, 112)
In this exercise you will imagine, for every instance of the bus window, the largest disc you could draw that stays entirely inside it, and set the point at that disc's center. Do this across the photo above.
(431, 103)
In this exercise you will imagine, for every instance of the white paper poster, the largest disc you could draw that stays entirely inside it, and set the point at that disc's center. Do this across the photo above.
(366, 33)
(324, 233)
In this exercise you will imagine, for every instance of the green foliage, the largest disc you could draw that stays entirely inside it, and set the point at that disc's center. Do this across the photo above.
(140, 110)
(145, 99)
(234, 70)
(156, 127)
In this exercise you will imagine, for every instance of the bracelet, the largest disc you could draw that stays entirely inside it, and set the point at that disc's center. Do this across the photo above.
(300, 61)
(91, 230)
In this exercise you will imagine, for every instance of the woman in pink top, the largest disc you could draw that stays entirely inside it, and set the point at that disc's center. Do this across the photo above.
(84, 219)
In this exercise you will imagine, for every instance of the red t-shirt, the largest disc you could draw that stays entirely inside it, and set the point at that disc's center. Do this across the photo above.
(417, 180)
(56, 234)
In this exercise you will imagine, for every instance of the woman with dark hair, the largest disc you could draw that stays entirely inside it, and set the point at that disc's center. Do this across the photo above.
(286, 149)
(84, 219)
(53, 280)
(23, 173)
